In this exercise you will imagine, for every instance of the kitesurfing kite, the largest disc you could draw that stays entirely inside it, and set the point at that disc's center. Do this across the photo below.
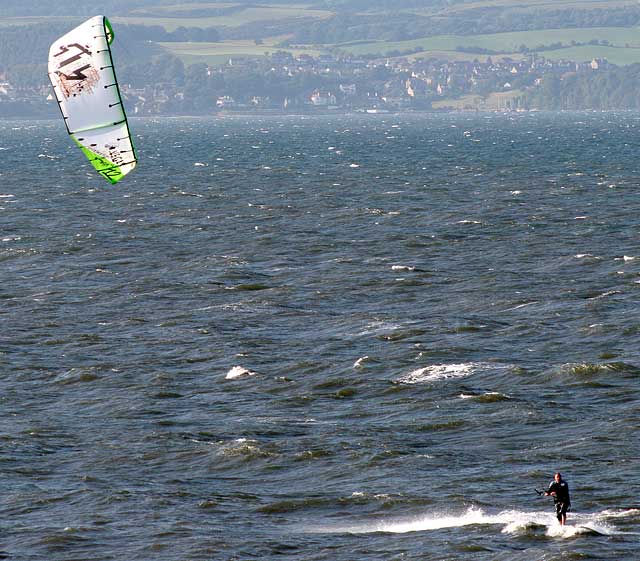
(84, 80)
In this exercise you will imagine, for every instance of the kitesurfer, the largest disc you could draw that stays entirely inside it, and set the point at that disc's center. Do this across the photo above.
(559, 490)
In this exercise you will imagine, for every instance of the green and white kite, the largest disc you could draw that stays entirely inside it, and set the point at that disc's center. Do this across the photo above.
(84, 80)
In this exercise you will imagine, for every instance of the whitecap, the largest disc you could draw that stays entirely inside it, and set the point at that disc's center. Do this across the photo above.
(437, 372)
(244, 447)
(402, 268)
(379, 327)
(569, 531)
(524, 305)
(620, 513)
(238, 372)
(605, 294)
(486, 397)
(360, 362)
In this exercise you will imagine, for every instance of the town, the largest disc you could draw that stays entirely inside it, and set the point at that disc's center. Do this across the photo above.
(284, 82)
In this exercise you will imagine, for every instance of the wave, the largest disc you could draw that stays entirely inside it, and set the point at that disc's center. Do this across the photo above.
(436, 372)
(238, 372)
(588, 369)
(356, 498)
(512, 522)
(78, 375)
(487, 397)
(245, 449)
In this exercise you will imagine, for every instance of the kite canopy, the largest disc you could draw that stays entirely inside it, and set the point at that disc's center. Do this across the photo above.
(84, 80)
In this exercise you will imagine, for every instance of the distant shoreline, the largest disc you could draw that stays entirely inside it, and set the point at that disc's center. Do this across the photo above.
(249, 114)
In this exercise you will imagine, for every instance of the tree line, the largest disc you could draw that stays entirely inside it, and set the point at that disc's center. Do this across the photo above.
(347, 27)
(24, 50)
(29, 44)
(614, 89)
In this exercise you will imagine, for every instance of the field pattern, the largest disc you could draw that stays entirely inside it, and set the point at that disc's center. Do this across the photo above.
(620, 45)
(219, 53)
(245, 16)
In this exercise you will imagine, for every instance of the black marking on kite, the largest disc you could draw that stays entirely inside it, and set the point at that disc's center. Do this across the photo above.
(77, 73)
(64, 50)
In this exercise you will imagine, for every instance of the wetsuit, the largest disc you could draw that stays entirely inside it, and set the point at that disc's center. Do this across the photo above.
(561, 498)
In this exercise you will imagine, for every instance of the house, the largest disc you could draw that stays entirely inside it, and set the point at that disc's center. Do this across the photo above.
(416, 88)
(225, 102)
(599, 64)
(322, 99)
(259, 101)
(305, 60)
(348, 89)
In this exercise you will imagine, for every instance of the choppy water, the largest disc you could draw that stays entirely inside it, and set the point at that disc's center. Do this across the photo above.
(322, 338)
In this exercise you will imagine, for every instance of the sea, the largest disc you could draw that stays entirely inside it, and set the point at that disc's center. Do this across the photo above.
(322, 338)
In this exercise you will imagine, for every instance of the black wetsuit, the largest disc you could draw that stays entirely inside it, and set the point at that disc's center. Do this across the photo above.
(561, 498)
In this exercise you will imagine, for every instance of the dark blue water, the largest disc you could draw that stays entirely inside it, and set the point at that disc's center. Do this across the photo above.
(322, 338)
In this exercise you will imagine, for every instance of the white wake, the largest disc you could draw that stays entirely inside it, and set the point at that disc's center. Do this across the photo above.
(512, 522)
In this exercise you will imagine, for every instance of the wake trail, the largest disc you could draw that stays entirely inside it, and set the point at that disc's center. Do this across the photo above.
(513, 522)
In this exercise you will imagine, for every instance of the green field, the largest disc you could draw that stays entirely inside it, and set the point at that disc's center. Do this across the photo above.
(618, 56)
(527, 5)
(455, 56)
(218, 53)
(250, 14)
(504, 42)
(624, 43)
(31, 20)
(186, 8)
(247, 15)
(521, 6)
(493, 102)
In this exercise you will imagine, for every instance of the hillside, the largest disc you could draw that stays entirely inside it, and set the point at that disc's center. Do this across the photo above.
(371, 27)
(166, 45)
